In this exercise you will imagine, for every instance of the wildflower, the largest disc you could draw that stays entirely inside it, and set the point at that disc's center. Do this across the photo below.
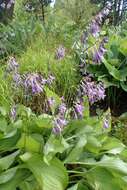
(12, 65)
(95, 92)
(60, 53)
(62, 108)
(84, 37)
(99, 54)
(33, 82)
(106, 124)
(13, 112)
(97, 57)
(105, 39)
(59, 123)
(10, 3)
(50, 80)
(51, 101)
(17, 79)
(79, 108)
(94, 29)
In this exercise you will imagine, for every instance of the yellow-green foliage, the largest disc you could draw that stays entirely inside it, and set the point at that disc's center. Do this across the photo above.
(40, 57)
(80, 12)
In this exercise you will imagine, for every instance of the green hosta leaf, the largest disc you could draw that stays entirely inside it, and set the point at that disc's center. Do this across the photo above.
(29, 143)
(7, 175)
(93, 144)
(44, 121)
(10, 140)
(108, 82)
(3, 125)
(113, 145)
(75, 153)
(123, 47)
(113, 71)
(124, 86)
(114, 164)
(54, 145)
(123, 117)
(102, 179)
(20, 176)
(6, 161)
(49, 177)
(3, 111)
(78, 186)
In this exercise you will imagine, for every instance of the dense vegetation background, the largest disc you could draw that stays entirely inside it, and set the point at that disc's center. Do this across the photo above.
(63, 95)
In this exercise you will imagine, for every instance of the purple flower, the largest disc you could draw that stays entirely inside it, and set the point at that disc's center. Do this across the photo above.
(60, 53)
(95, 92)
(12, 65)
(17, 79)
(51, 101)
(97, 57)
(79, 108)
(99, 18)
(33, 83)
(10, 3)
(84, 37)
(62, 109)
(105, 39)
(13, 112)
(99, 54)
(59, 124)
(50, 80)
(94, 29)
(106, 124)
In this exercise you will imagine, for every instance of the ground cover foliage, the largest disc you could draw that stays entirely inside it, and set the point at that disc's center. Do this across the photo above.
(63, 74)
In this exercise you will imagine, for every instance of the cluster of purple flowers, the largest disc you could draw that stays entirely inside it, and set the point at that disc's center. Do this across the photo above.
(78, 109)
(31, 82)
(7, 4)
(34, 83)
(59, 121)
(99, 53)
(94, 91)
(13, 112)
(97, 22)
(12, 65)
(60, 53)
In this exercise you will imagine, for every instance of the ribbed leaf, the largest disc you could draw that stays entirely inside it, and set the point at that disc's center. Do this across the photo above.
(6, 161)
(49, 177)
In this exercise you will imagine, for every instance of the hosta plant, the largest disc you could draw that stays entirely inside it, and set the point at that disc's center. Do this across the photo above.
(81, 156)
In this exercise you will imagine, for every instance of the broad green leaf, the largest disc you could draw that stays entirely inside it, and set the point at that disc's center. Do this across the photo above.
(20, 176)
(49, 177)
(123, 117)
(7, 175)
(123, 47)
(10, 141)
(114, 164)
(93, 144)
(28, 143)
(75, 153)
(6, 161)
(113, 71)
(124, 86)
(102, 179)
(113, 145)
(44, 121)
(54, 145)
